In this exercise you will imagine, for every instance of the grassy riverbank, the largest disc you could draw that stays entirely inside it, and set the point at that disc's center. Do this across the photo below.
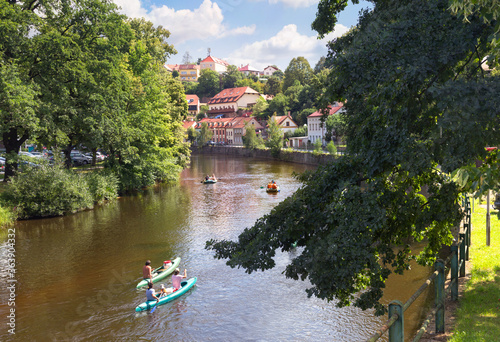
(478, 315)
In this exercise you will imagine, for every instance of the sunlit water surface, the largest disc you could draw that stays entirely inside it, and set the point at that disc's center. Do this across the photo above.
(76, 275)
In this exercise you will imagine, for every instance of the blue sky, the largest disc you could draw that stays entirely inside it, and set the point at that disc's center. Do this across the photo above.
(255, 32)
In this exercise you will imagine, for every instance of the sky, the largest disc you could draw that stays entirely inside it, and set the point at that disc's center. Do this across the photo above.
(241, 32)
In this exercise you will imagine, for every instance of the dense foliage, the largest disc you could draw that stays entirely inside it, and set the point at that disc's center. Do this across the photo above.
(250, 139)
(274, 137)
(418, 106)
(48, 191)
(77, 73)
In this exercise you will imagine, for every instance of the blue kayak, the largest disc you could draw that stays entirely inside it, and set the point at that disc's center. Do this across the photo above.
(185, 286)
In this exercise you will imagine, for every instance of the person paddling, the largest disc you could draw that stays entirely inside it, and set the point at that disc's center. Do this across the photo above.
(147, 273)
(150, 293)
(177, 277)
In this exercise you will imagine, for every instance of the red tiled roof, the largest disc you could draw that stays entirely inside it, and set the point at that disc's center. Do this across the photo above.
(280, 119)
(215, 60)
(189, 66)
(187, 124)
(331, 110)
(192, 100)
(231, 95)
(247, 68)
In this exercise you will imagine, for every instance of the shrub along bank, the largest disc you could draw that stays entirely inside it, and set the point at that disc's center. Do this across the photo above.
(53, 191)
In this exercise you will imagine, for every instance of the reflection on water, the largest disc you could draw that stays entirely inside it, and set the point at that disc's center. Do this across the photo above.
(76, 275)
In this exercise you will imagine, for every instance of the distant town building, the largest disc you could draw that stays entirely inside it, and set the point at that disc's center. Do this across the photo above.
(187, 72)
(316, 129)
(248, 70)
(286, 123)
(214, 64)
(193, 104)
(227, 102)
(230, 131)
(269, 70)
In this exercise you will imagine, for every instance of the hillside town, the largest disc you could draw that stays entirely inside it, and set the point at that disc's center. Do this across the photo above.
(231, 111)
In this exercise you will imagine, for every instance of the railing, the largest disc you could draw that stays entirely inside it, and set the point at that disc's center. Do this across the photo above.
(459, 255)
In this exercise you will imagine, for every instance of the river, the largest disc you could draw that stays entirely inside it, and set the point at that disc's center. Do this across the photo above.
(76, 275)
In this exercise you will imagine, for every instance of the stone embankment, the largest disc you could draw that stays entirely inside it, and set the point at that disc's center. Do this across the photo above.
(285, 155)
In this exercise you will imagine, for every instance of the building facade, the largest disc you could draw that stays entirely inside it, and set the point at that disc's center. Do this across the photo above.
(215, 64)
(227, 102)
(316, 128)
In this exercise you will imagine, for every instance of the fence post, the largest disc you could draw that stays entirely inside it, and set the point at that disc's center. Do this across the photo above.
(462, 254)
(454, 272)
(439, 285)
(396, 331)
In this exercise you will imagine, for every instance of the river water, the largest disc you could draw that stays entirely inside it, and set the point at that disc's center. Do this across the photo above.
(76, 275)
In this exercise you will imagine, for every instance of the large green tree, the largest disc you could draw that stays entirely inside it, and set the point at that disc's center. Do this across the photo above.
(208, 83)
(231, 76)
(418, 106)
(274, 136)
(298, 70)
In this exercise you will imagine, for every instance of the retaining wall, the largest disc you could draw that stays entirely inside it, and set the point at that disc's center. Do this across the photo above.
(285, 155)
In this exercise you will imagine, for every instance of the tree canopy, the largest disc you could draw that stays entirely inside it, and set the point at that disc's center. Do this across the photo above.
(419, 107)
(80, 74)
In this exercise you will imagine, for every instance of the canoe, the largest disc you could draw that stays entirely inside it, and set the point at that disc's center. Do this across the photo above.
(160, 274)
(273, 190)
(209, 181)
(185, 286)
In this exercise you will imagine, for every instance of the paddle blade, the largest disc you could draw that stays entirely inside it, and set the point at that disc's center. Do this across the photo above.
(153, 309)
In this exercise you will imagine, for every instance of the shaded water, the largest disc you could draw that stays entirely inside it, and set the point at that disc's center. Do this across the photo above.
(76, 275)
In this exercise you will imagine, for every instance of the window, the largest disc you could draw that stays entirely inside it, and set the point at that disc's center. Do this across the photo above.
(183, 72)
(287, 123)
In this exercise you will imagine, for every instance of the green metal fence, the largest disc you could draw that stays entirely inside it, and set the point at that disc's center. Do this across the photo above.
(456, 263)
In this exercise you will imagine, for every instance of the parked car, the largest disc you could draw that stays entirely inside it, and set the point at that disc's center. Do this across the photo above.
(79, 159)
(99, 157)
(37, 154)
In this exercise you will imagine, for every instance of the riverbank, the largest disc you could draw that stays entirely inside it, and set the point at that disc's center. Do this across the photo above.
(476, 316)
(286, 155)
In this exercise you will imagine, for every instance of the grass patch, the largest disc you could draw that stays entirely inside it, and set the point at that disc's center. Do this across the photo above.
(478, 315)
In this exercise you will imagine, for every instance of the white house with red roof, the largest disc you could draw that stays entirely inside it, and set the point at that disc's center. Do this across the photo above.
(215, 64)
(286, 123)
(248, 70)
(193, 104)
(316, 129)
(227, 102)
(269, 70)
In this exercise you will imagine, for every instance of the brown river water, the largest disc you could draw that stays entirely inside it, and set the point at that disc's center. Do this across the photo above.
(76, 275)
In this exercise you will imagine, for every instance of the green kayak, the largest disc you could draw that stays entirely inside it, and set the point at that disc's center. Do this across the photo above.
(185, 286)
(159, 273)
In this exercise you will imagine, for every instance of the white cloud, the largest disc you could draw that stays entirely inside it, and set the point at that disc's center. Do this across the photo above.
(281, 48)
(131, 8)
(295, 3)
(200, 23)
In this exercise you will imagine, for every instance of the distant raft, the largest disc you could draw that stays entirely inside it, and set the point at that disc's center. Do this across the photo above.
(185, 286)
(276, 189)
(160, 273)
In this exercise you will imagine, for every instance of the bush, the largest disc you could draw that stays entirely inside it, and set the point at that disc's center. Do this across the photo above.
(7, 216)
(331, 148)
(103, 186)
(317, 148)
(48, 191)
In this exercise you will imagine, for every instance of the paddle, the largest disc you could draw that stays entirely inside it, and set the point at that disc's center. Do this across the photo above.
(154, 308)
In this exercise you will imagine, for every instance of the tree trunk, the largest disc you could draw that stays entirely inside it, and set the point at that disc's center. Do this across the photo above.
(12, 145)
